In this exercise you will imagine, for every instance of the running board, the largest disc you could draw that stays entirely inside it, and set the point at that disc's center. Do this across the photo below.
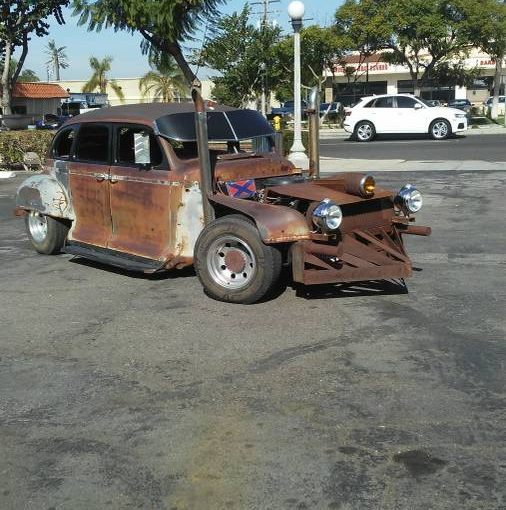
(113, 258)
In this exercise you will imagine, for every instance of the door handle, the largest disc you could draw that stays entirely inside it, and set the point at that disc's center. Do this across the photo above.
(112, 180)
(101, 177)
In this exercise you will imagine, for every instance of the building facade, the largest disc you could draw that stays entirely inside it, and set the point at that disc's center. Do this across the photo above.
(375, 76)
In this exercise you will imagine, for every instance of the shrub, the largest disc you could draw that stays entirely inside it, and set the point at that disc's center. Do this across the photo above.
(288, 140)
(14, 145)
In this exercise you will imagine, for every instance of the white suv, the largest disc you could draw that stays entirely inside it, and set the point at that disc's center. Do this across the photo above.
(402, 113)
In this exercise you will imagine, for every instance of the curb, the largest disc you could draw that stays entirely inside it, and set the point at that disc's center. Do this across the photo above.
(7, 175)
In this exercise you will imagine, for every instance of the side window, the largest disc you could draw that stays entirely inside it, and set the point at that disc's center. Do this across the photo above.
(370, 104)
(405, 102)
(384, 102)
(62, 144)
(93, 143)
(137, 146)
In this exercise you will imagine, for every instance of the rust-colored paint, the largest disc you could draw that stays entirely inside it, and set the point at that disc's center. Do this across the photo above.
(276, 223)
(359, 256)
(90, 191)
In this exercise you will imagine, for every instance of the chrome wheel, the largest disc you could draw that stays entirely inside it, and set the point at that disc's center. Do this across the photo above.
(231, 262)
(37, 224)
(440, 129)
(365, 132)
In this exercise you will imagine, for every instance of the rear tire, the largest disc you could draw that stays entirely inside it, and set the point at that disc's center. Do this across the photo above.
(364, 131)
(233, 264)
(46, 234)
(440, 129)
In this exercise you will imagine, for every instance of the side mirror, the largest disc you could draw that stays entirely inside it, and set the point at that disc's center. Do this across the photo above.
(418, 106)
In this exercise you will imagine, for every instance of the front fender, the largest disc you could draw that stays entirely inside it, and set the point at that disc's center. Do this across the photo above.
(44, 194)
(276, 223)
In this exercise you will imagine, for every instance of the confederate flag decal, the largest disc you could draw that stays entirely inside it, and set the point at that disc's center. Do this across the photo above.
(241, 189)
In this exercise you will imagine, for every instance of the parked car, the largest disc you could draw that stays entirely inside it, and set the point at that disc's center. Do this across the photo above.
(402, 113)
(433, 102)
(125, 186)
(501, 105)
(461, 104)
(51, 121)
(288, 108)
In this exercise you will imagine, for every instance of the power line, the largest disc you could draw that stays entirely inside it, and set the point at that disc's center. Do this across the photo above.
(265, 10)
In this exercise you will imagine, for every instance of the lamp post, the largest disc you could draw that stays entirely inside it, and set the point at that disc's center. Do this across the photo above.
(297, 154)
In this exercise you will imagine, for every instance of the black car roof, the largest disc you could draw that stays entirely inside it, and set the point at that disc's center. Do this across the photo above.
(177, 120)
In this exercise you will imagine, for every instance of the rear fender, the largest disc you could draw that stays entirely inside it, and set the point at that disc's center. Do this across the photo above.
(43, 193)
(276, 223)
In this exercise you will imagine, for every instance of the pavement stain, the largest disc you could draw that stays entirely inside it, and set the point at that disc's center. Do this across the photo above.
(217, 473)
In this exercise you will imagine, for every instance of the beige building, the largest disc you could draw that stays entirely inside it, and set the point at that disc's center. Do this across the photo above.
(130, 89)
(375, 76)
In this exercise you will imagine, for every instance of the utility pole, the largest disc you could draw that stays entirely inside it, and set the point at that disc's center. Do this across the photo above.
(264, 23)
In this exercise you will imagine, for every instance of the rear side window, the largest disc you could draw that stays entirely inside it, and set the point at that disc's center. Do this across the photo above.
(384, 102)
(93, 143)
(62, 145)
(137, 145)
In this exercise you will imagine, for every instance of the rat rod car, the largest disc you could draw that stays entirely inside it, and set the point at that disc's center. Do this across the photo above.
(152, 187)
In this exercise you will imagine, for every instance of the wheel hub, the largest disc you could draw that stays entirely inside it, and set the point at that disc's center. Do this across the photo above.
(235, 261)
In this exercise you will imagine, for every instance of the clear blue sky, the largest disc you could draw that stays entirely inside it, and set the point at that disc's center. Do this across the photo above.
(128, 61)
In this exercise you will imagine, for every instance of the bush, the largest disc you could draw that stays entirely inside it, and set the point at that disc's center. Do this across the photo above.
(15, 144)
(288, 140)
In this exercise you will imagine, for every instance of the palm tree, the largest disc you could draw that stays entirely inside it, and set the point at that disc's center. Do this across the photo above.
(57, 58)
(99, 78)
(165, 81)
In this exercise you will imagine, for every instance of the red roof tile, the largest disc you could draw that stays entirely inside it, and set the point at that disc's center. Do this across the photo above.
(38, 90)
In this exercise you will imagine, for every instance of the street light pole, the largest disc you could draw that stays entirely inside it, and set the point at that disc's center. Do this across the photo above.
(297, 154)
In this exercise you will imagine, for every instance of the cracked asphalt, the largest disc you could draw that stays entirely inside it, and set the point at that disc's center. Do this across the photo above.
(121, 391)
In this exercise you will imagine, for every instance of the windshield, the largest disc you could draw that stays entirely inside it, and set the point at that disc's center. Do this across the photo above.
(426, 103)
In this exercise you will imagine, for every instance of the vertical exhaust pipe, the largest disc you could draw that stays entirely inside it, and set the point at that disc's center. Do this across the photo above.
(206, 178)
(314, 133)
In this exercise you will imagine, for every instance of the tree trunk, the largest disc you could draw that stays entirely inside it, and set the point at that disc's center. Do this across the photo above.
(494, 112)
(6, 85)
(175, 50)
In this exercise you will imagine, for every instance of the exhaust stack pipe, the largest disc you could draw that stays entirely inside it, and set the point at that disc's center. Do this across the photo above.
(314, 133)
(206, 180)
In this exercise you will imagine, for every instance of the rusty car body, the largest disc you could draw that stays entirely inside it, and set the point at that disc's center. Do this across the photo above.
(123, 185)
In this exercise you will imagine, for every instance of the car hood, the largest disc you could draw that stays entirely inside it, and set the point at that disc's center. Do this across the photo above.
(446, 110)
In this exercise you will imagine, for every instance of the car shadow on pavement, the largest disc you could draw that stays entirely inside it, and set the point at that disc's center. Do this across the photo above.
(162, 275)
(401, 137)
(349, 290)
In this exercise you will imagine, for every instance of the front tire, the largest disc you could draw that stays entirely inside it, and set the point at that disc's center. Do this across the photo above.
(46, 234)
(233, 264)
(440, 129)
(364, 131)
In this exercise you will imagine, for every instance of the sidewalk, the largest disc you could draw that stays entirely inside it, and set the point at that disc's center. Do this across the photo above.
(489, 129)
(331, 165)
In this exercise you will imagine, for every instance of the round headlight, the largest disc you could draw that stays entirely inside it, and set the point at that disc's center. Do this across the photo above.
(409, 199)
(367, 186)
(327, 215)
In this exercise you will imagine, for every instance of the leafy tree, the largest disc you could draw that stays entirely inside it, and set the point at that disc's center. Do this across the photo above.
(57, 58)
(429, 33)
(361, 27)
(244, 56)
(164, 24)
(164, 81)
(321, 49)
(488, 28)
(99, 79)
(21, 19)
(28, 75)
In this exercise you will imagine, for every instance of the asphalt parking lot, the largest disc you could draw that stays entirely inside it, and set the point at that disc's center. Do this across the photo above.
(124, 391)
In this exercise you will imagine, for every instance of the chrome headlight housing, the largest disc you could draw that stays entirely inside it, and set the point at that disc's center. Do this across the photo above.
(409, 199)
(327, 215)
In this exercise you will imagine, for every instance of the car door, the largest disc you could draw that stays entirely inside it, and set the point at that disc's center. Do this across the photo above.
(410, 117)
(88, 171)
(140, 193)
(380, 113)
